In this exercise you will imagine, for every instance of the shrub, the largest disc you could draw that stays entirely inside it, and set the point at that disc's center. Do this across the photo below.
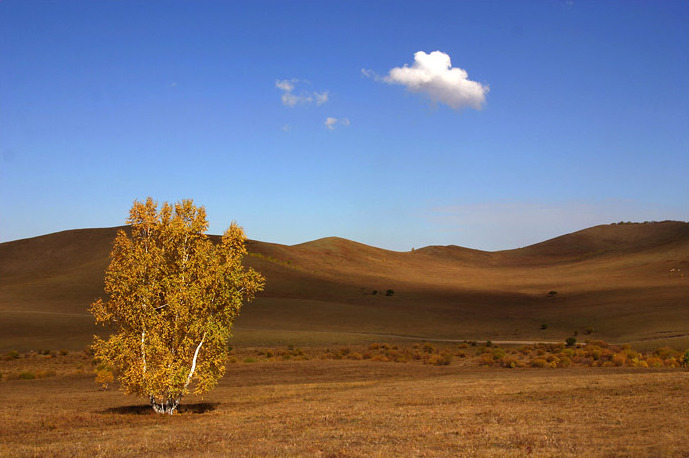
(540, 362)
(396, 356)
(27, 375)
(510, 362)
(685, 359)
(487, 359)
(665, 352)
(544, 325)
(252, 360)
(14, 354)
(525, 349)
(571, 341)
(498, 353)
(672, 362)
(654, 361)
(565, 361)
(619, 359)
(390, 292)
(439, 359)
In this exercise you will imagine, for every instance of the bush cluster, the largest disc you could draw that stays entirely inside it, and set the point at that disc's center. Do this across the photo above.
(595, 354)
(425, 353)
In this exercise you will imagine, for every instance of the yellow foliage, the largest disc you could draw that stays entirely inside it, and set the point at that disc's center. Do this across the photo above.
(173, 296)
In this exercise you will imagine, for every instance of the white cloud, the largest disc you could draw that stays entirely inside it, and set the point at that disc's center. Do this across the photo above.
(320, 98)
(285, 85)
(432, 74)
(302, 96)
(331, 122)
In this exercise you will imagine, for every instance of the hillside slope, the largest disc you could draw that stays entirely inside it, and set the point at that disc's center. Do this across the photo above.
(621, 280)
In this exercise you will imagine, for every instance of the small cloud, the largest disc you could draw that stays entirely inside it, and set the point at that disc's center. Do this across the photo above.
(321, 98)
(286, 128)
(331, 122)
(432, 74)
(368, 73)
(291, 98)
(284, 85)
(173, 84)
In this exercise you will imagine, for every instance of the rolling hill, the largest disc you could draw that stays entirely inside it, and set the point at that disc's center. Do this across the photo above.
(620, 282)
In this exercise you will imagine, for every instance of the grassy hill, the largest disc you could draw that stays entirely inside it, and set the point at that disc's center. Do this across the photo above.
(616, 280)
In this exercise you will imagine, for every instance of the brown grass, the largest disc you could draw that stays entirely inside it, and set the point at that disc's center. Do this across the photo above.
(359, 408)
(614, 279)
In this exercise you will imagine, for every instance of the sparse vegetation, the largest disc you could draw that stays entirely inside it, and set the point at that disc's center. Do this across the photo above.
(368, 408)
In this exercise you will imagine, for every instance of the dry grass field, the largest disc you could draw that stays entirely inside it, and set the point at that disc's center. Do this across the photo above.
(616, 281)
(356, 408)
(308, 378)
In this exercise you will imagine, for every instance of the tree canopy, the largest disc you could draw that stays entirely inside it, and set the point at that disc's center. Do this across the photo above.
(173, 295)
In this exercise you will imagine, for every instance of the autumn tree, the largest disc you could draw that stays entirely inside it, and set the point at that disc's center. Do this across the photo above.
(173, 295)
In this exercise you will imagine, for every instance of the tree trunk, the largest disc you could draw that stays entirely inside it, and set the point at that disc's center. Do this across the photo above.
(167, 406)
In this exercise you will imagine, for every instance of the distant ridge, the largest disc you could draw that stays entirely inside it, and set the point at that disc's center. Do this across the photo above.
(611, 239)
(614, 237)
(627, 281)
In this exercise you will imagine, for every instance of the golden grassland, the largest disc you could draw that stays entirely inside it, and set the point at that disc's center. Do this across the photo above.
(317, 401)
(627, 282)
(310, 377)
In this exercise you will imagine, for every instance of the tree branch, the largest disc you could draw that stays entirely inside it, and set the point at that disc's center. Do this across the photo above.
(193, 363)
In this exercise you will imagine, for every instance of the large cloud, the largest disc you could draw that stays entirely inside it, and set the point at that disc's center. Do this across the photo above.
(433, 75)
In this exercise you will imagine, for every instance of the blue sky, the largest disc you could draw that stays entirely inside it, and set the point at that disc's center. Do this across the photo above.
(307, 119)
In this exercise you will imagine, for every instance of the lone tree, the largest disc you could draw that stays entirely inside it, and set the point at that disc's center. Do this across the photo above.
(172, 297)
